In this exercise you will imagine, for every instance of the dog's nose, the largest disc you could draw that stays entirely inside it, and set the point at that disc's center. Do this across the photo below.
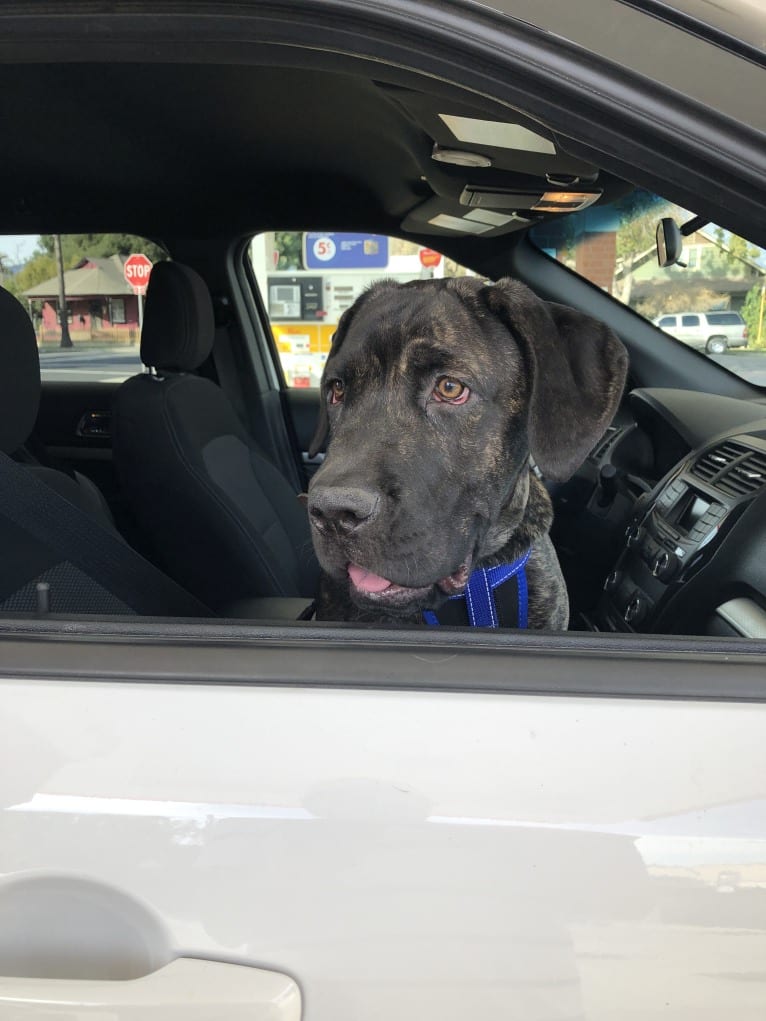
(343, 507)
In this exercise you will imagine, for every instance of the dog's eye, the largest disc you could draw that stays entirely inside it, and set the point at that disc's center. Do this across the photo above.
(337, 391)
(452, 390)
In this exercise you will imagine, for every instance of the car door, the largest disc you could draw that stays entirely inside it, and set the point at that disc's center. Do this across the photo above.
(690, 330)
(515, 826)
(393, 823)
(73, 429)
(669, 325)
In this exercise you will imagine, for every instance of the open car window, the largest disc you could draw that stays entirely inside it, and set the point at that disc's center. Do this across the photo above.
(308, 280)
(101, 280)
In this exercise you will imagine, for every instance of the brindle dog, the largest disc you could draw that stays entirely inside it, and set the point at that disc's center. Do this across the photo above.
(434, 395)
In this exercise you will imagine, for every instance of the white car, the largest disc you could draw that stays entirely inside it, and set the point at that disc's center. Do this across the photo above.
(712, 332)
(212, 810)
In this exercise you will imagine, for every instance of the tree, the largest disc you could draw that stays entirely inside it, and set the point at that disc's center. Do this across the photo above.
(38, 268)
(754, 314)
(289, 245)
(639, 212)
(681, 299)
(738, 250)
(75, 247)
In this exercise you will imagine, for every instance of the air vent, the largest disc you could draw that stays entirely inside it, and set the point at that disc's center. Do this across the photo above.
(746, 476)
(715, 462)
(733, 468)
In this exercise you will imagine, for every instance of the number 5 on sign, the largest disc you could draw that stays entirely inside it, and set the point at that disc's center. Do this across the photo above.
(324, 249)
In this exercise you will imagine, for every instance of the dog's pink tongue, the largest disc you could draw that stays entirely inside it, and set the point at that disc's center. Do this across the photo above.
(366, 581)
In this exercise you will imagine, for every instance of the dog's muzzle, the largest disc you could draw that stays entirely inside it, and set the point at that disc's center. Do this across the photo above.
(341, 508)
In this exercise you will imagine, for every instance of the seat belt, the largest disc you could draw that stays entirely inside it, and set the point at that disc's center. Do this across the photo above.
(102, 560)
(230, 381)
(228, 375)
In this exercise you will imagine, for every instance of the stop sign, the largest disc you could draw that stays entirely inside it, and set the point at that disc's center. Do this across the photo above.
(429, 258)
(137, 269)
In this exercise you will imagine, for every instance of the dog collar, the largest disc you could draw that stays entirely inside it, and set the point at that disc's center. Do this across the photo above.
(481, 598)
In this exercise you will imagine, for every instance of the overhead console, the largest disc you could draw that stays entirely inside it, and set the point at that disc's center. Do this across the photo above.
(543, 199)
(492, 174)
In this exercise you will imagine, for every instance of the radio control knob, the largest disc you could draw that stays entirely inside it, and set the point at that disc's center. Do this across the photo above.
(636, 609)
(633, 534)
(665, 565)
(612, 581)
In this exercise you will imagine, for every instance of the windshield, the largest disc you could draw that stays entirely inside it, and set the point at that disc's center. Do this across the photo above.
(713, 300)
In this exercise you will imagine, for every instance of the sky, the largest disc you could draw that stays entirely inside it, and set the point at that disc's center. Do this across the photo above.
(17, 247)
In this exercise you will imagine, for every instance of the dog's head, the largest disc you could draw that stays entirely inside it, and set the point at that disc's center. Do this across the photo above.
(434, 395)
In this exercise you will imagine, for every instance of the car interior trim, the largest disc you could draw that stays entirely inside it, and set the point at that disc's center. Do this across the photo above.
(745, 616)
(617, 666)
(618, 111)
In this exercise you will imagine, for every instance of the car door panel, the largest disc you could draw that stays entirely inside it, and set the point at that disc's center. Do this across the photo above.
(74, 425)
(303, 408)
(402, 840)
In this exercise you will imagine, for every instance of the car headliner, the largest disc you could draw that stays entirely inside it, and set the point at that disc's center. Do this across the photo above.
(224, 136)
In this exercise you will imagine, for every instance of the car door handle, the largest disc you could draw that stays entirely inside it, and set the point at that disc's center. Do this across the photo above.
(196, 990)
(95, 424)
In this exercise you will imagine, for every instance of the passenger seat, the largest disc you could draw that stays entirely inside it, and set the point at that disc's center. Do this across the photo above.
(225, 523)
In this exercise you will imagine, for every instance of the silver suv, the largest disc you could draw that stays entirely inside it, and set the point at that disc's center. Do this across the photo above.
(714, 332)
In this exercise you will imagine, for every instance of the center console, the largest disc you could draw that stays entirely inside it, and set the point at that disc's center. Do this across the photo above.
(676, 530)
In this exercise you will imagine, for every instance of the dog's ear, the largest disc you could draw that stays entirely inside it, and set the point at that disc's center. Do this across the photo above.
(577, 372)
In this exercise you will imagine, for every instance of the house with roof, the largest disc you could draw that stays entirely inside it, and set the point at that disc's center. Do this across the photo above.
(710, 277)
(100, 303)
(716, 271)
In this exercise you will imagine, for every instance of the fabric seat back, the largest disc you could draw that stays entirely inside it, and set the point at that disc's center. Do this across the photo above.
(224, 522)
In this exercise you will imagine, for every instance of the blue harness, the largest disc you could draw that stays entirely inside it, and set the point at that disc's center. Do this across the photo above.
(479, 595)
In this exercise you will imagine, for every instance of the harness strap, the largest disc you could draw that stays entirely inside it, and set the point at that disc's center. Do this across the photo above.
(479, 595)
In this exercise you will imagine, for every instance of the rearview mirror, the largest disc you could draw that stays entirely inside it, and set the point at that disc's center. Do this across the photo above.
(670, 243)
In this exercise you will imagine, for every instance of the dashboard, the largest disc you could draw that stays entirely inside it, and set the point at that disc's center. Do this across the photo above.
(680, 486)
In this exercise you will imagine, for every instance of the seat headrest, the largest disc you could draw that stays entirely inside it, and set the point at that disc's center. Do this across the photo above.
(19, 374)
(179, 328)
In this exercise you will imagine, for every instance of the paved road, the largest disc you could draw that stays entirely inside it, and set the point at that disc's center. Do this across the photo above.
(102, 365)
(751, 365)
